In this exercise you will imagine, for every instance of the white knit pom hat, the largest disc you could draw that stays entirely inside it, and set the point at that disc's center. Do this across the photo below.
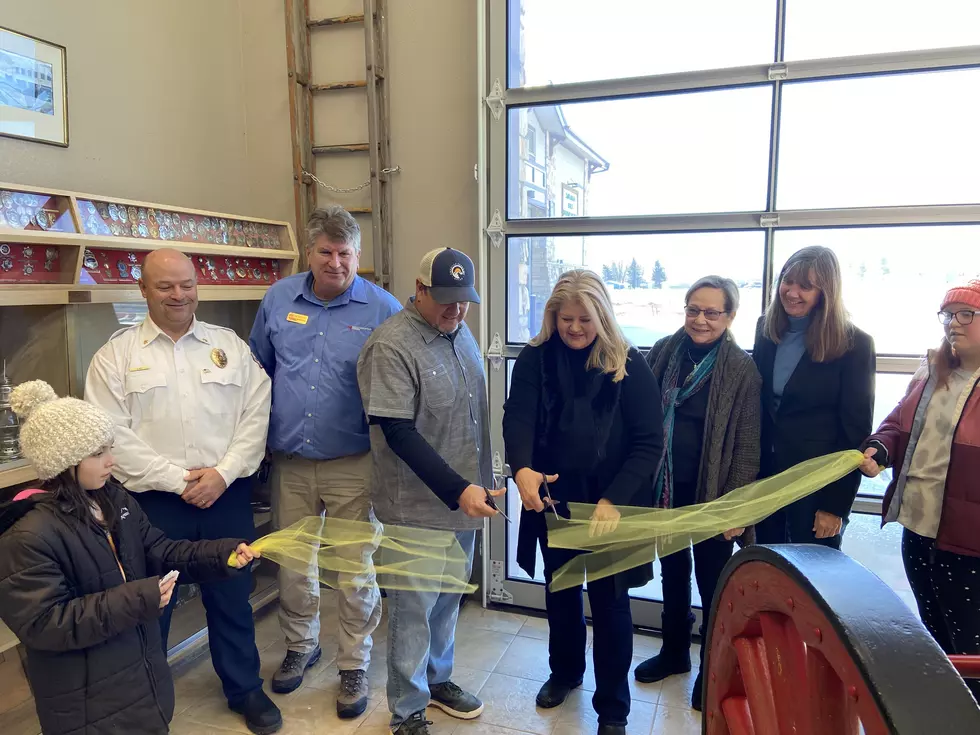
(57, 433)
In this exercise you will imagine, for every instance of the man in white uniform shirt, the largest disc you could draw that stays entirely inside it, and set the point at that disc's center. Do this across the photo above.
(191, 407)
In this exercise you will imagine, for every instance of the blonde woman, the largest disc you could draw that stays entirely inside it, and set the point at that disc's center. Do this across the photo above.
(583, 413)
(818, 380)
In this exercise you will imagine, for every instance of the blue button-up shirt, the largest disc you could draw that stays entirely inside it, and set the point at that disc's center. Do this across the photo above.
(310, 350)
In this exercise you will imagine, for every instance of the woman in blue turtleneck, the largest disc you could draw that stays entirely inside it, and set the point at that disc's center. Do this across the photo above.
(818, 373)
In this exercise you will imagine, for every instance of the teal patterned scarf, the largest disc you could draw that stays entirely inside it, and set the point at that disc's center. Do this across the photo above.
(672, 397)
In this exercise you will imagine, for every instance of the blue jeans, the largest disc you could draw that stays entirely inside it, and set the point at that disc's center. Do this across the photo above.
(421, 641)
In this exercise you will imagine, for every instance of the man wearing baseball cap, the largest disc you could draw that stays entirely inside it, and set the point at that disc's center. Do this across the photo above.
(424, 391)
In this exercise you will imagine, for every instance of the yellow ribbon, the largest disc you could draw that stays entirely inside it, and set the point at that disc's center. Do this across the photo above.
(341, 553)
(645, 534)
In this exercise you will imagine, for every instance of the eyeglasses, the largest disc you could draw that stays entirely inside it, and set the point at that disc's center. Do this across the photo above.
(712, 315)
(963, 318)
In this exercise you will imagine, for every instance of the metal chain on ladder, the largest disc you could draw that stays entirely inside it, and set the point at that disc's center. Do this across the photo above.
(349, 189)
(378, 144)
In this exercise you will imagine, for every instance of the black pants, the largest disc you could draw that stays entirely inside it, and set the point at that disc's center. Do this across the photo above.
(231, 629)
(612, 630)
(794, 525)
(709, 560)
(947, 591)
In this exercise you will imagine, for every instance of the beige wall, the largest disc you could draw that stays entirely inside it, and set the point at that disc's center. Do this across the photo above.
(432, 96)
(432, 59)
(180, 102)
(184, 102)
(196, 112)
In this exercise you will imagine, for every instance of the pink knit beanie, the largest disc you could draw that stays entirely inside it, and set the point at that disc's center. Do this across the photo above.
(968, 294)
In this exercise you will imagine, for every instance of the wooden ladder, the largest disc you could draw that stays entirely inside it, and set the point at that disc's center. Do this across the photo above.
(306, 153)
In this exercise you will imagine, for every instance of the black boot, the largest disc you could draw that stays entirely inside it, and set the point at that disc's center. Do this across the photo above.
(612, 730)
(661, 666)
(675, 654)
(261, 716)
(553, 693)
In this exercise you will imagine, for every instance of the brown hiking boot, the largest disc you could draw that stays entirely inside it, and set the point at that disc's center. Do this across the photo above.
(353, 697)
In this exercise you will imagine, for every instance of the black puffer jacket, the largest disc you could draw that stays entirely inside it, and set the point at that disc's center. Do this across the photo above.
(94, 655)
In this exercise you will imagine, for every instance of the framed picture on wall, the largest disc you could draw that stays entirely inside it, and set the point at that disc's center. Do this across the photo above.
(33, 89)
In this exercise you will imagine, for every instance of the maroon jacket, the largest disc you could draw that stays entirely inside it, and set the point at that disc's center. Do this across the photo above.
(959, 525)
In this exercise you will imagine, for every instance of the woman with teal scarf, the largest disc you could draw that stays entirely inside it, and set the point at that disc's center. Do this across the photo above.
(710, 400)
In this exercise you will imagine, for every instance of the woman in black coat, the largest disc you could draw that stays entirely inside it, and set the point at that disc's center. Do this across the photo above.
(80, 581)
(818, 383)
(583, 409)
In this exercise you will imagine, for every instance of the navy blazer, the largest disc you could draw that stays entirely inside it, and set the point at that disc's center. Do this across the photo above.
(826, 407)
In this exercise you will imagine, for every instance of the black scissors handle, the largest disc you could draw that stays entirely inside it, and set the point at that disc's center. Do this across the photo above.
(493, 504)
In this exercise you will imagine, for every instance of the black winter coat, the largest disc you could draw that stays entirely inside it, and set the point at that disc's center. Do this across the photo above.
(826, 407)
(94, 654)
(631, 449)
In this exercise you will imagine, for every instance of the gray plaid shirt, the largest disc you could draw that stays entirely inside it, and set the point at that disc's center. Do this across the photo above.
(409, 370)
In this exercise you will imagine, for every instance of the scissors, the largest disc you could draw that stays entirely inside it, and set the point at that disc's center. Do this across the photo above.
(493, 504)
(547, 494)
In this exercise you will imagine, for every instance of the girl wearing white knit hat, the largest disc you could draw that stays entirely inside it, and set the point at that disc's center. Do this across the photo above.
(80, 580)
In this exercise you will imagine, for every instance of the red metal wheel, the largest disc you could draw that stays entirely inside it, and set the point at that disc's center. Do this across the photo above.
(806, 641)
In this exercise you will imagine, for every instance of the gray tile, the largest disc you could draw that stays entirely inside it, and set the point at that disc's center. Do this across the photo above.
(538, 628)
(471, 680)
(472, 615)
(526, 658)
(482, 728)
(646, 645)
(378, 722)
(675, 721)
(534, 628)
(267, 629)
(675, 691)
(195, 682)
(481, 649)
(184, 726)
(649, 693)
(214, 712)
(509, 703)
(512, 646)
(577, 717)
(314, 712)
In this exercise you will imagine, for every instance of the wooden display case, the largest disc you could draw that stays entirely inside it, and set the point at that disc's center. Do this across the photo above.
(61, 250)
(62, 247)
(69, 266)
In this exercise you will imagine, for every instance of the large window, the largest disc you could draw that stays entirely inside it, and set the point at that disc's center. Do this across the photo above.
(647, 277)
(880, 140)
(657, 142)
(577, 41)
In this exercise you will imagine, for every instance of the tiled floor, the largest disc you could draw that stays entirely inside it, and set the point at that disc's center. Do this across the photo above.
(501, 656)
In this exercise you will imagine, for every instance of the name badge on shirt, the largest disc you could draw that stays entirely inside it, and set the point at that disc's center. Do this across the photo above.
(139, 369)
(297, 318)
